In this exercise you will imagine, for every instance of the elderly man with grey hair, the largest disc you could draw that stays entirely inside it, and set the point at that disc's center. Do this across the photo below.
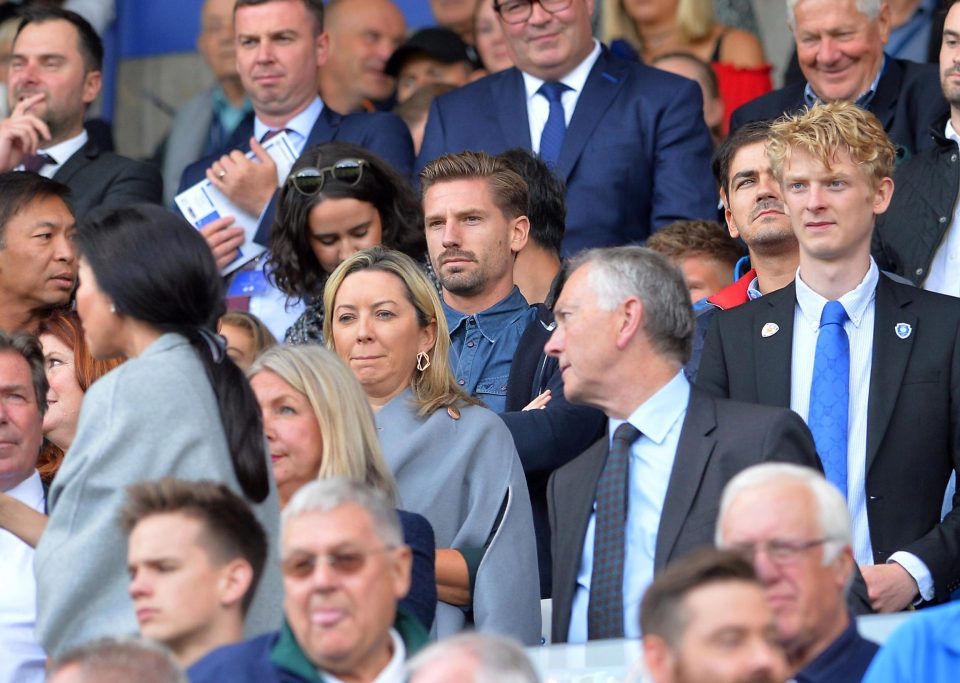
(344, 568)
(116, 660)
(647, 492)
(794, 525)
(840, 52)
(473, 658)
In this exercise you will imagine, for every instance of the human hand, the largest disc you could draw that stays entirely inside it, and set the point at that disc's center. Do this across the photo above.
(890, 586)
(21, 133)
(540, 402)
(247, 183)
(224, 239)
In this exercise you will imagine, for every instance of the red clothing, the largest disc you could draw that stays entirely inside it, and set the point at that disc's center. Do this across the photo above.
(738, 86)
(733, 295)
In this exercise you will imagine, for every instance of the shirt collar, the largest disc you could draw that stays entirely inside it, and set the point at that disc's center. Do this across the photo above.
(862, 100)
(753, 289)
(656, 416)
(29, 491)
(66, 149)
(575, 80)
(950, 133)
(491, 321)
(393, 672)
(223, 106)
(854, 302)
(301, 124)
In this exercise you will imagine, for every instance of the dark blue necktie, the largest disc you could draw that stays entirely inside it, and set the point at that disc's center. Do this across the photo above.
(35, 162)
(830, 394)
(551, 140)
(605, 607)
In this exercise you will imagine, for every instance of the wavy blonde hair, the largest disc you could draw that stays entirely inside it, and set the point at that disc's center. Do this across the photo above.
(351, 446)
(826, 129)
(435, 387)
(695, 19)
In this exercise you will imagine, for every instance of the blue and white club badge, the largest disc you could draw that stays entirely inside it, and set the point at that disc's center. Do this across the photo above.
(903, 330)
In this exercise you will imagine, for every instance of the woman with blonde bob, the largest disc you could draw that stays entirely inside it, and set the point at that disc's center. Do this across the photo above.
(319, 425)
(454, 461)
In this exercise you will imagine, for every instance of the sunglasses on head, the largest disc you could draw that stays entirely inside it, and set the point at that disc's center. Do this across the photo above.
(309, 181)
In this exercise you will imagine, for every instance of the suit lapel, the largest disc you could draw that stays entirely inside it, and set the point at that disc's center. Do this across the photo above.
(890, 357)
(604, 82)
(325, 129)
(771, 334)
(693, 453)
(511, 97)
(888, 91)
(77, 161)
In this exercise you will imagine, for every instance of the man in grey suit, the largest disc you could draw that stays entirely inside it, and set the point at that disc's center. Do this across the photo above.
(648, 491)
(54, 76)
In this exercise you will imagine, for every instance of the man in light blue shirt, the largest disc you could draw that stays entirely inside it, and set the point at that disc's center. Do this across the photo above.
(624, 330)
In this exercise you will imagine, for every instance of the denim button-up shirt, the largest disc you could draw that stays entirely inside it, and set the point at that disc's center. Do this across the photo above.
(482, 346)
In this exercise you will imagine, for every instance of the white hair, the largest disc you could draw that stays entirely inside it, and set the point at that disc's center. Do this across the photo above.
(497, 659)
(328, 494)
(832, 514)
(870, 8)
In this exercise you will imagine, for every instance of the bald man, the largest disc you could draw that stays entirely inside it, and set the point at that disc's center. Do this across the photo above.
(363, 34)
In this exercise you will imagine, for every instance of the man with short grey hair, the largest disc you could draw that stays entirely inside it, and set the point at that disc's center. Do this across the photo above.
(344, 568)
(794, 526)
(116, 660)
(473, 658)
(647, 492)
(840, 51)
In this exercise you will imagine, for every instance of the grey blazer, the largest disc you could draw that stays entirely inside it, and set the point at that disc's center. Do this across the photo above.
(186, 140)
(154, 416)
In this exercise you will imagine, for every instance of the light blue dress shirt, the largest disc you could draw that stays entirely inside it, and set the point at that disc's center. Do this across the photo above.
(660, 420)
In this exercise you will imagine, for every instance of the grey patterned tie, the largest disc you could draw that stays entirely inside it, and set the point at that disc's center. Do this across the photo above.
(605, 611)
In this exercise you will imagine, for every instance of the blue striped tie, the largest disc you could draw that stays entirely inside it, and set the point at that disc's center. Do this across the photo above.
(830, 394)
(551, 140)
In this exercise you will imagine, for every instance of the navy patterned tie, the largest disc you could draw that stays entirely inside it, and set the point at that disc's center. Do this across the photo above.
(830, 394)
(605, 611)
(551, 140)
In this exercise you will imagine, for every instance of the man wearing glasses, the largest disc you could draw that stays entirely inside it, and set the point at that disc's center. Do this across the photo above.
(795, 528)
(628, 140)
(344, 568)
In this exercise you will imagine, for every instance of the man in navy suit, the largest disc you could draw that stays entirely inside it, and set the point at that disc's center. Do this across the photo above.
(840, 51)
(280, 48)
(628, 140)
(885, 423)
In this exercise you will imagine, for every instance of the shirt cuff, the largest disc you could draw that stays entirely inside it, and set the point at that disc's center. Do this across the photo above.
(918, 570)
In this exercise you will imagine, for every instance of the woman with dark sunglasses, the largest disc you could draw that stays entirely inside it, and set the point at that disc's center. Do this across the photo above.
(339, 198)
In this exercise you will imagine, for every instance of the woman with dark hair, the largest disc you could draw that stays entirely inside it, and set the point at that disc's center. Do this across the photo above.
(179, 407)
(339, 198)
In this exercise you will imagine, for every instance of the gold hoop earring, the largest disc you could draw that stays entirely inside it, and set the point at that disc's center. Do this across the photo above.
(423, 361)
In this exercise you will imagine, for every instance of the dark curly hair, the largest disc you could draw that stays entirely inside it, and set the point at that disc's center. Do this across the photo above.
(292, 264)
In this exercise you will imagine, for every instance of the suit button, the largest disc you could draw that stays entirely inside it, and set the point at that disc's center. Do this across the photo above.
(919, 272)
(943, 219)
(953, 157)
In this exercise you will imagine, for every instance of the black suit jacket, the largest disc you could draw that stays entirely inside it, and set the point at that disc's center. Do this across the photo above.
(907, 102)
(383, 134)
(913, 440)
(719, 438)
(97, 178)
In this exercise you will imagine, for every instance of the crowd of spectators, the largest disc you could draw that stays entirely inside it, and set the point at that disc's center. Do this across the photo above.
(575, 307)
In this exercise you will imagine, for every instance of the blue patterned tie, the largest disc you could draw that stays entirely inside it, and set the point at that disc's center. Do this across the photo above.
(830, 394)
(551, 140)
(605, 609)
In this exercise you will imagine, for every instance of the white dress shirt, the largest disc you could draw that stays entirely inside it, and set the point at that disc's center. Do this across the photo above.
(394, 672)
(60, 153)
(660, 420)
(538, 108)
(944, 275)
(860, 305)
(21, 657)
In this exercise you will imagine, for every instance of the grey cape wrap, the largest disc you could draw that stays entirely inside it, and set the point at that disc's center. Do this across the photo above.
(457, 473)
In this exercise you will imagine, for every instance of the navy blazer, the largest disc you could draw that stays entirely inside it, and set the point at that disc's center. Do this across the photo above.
(383, 134)
(421, 599)
(636, 155)
(913, 409)
(908, 101)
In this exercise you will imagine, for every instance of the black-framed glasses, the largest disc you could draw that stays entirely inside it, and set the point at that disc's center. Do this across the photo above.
(518, 11)
(309, 181)
(778, 551)
(300, 565)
